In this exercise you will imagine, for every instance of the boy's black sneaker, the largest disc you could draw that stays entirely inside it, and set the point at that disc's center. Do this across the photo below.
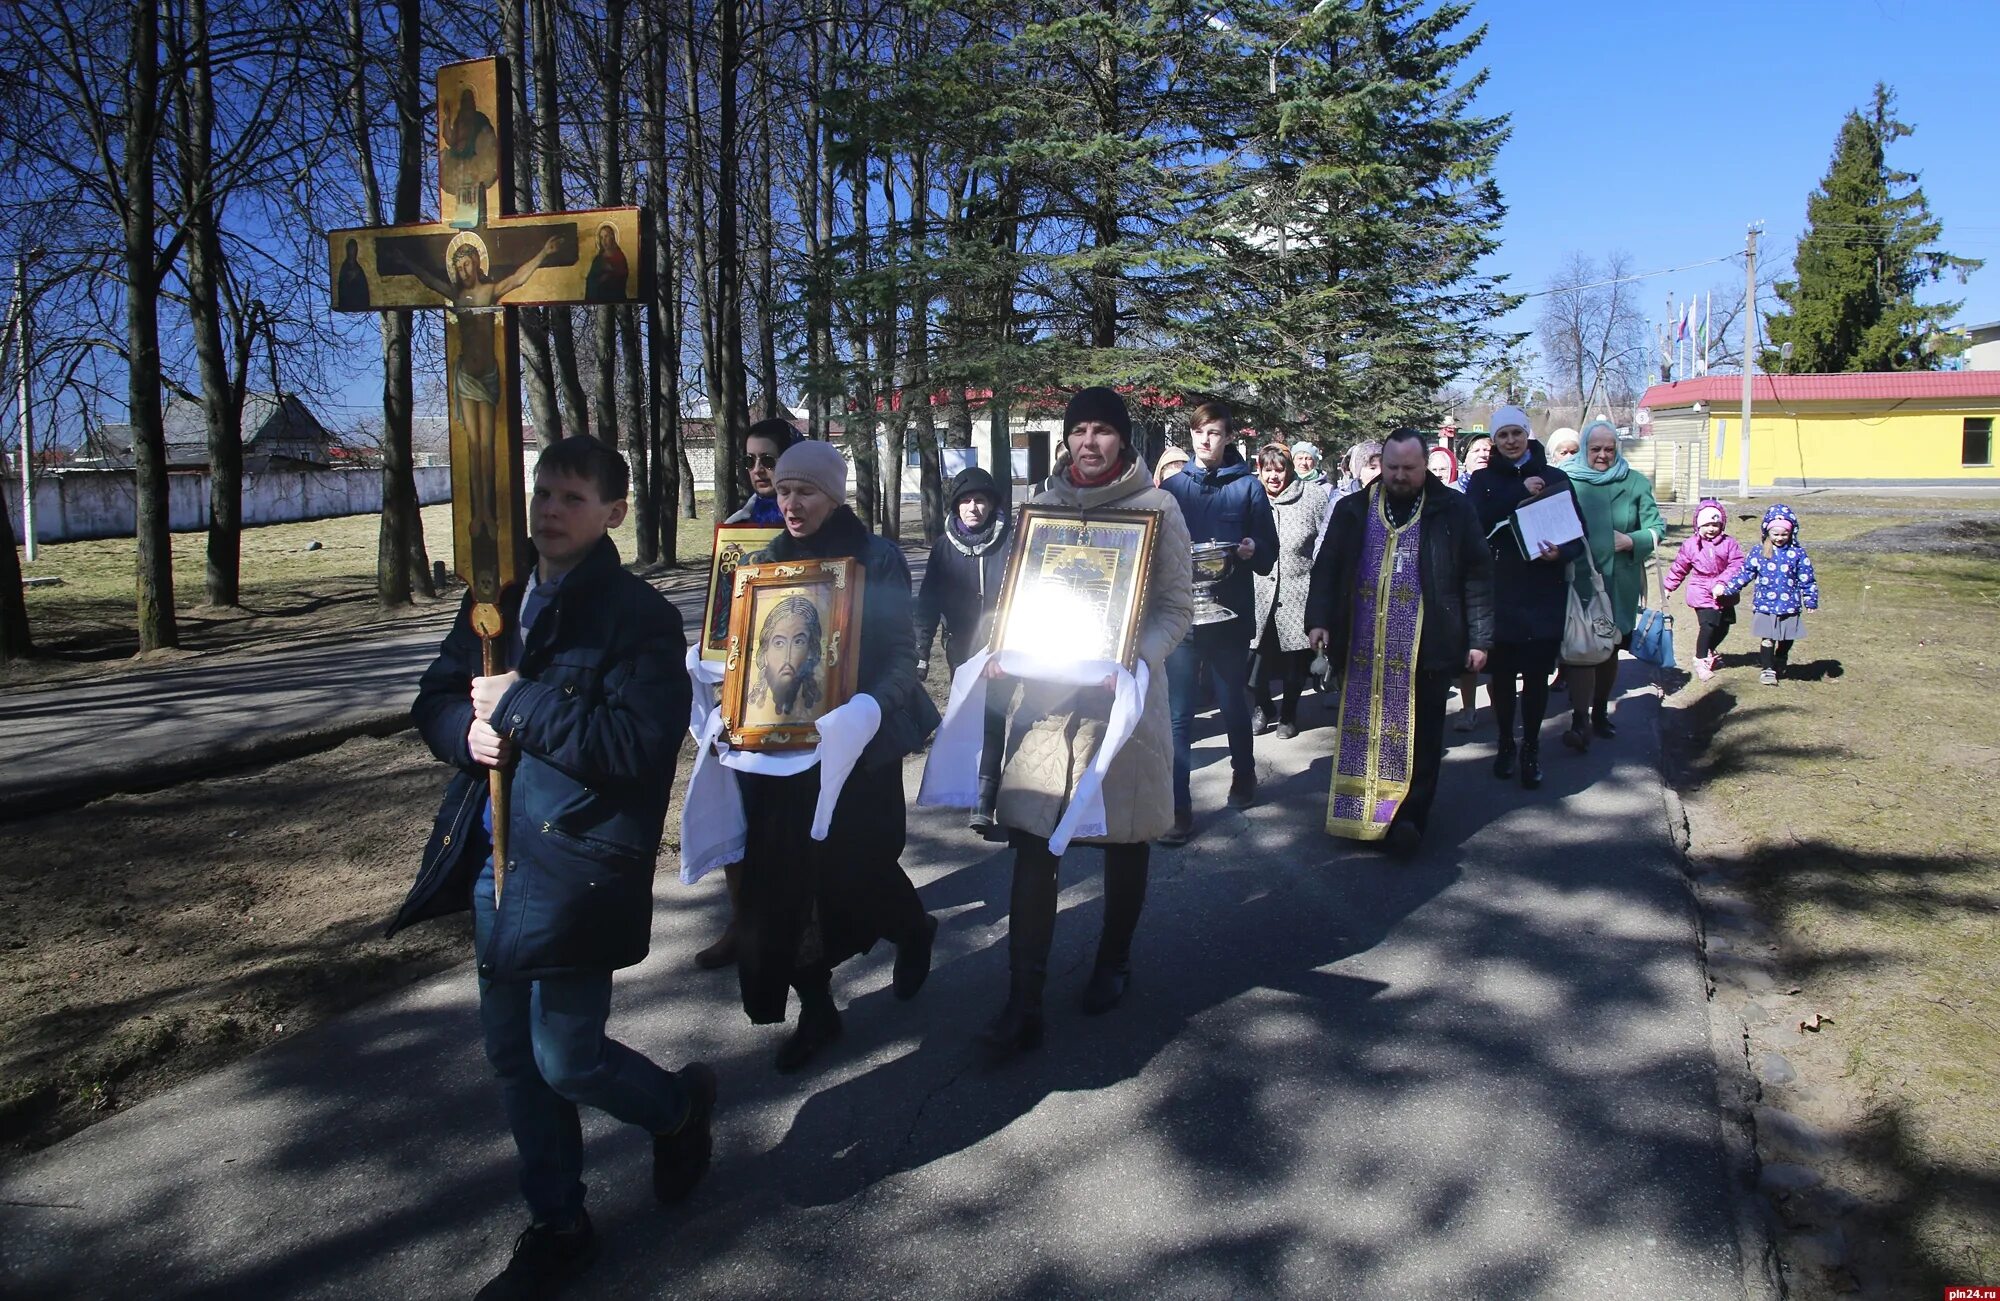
(545, 1260)
(680, 1159)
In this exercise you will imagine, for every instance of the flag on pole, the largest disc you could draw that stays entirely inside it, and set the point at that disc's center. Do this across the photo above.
(1685, 326)
(1707, 315)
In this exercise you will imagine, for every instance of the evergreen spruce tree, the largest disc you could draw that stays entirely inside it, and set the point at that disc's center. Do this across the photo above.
(1126, 201)
(1354, 205)
(1869, 247)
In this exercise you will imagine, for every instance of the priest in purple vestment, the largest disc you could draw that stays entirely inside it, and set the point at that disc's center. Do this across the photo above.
(1401, 603)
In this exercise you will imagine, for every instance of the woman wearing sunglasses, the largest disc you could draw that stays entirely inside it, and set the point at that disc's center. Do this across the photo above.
(763, 444)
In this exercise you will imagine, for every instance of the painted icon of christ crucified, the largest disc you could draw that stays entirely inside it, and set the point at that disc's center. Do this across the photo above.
(474, 326)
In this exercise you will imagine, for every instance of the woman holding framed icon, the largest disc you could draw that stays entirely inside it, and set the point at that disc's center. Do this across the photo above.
(806, 905)
(1057, 727)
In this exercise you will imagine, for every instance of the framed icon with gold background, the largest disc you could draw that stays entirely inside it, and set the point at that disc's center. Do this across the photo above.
(735, 544)
(793, 651)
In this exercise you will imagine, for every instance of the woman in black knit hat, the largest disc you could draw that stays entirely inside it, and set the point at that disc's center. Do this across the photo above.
(1057, 728)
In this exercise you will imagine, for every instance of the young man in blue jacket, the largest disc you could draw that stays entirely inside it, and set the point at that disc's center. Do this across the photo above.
(1222, 501)
(589, 717)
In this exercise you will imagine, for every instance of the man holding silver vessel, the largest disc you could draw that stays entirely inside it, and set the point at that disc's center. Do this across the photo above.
(1223, 503)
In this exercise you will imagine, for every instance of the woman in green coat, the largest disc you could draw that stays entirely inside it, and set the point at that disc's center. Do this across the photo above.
(1625, 527)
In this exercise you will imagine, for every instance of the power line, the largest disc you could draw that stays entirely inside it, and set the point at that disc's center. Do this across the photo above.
(1626, 280)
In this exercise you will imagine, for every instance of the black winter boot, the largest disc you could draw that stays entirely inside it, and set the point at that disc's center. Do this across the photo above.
(1125, 871)
(1531, 767)
(982, 821)
(819, 1023)
(1018, 1027)
(1031, 932)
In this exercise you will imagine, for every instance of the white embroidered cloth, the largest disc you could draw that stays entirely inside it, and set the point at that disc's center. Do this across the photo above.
(713, 828)
(951, 777)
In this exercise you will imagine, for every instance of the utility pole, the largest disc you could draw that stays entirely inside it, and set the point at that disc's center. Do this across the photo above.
(1749, 354)
(23, 369)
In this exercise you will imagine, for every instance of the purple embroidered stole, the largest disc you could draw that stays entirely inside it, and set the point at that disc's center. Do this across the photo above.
(1378, 696)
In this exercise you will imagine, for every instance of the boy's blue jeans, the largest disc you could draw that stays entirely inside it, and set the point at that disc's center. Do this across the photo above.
(1220, 652)
(546, 1041)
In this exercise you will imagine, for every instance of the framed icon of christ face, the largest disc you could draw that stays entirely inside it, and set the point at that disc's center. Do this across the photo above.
(1076, 584)
(793, 651)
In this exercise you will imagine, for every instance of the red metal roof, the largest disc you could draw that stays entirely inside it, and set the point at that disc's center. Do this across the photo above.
(1867, 386)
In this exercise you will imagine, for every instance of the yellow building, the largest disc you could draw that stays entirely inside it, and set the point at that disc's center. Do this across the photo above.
(1810, 431)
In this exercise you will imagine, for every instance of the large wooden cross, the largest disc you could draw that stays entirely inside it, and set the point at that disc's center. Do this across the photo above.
(477, 261)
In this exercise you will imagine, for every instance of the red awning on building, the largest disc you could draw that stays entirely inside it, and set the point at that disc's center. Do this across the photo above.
(1867, 386)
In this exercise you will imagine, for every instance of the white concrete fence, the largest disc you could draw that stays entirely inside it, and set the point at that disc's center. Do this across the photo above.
(78, 504)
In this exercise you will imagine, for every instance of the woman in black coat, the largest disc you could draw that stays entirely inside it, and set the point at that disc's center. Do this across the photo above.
(961, 587)
(809, 905)
(1529, 595)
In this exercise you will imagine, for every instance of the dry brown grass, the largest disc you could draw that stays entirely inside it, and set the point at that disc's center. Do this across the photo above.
(1854, 803)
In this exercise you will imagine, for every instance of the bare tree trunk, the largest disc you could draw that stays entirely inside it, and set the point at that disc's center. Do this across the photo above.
(657, 524)
(734, 418)
(717, 275)
(638, 438)
(862, 421)
(155, 553)
(809, 209)
(549, 156)
(663, 357)
(15, 643)
(930, 469)
(611, 193)
(1000, 437)
(678, 321)
(537, 363)
(401, 564)
(721, 475)
(767, 235)
(894, 407)
(1103, 289)
(819, 303)
(221, 403)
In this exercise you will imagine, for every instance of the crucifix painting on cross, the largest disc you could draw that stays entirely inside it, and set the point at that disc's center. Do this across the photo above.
(478, 260)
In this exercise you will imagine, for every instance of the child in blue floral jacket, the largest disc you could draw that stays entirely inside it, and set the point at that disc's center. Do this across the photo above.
(1786, 589)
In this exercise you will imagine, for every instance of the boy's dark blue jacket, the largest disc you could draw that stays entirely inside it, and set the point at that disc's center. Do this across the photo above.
(1228, 504)
(596, 721)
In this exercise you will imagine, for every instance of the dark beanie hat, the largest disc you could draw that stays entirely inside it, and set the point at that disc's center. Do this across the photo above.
(1100, 404)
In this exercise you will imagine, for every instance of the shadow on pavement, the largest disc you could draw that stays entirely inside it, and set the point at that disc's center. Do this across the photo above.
(1334, 1075)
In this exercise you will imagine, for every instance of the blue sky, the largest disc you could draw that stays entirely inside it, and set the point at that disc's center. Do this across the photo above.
(1663, 129)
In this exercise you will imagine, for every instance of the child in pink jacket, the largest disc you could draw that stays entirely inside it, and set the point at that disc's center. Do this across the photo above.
(1709, 557)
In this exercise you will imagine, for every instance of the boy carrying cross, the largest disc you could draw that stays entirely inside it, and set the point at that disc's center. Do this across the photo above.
(589, 719)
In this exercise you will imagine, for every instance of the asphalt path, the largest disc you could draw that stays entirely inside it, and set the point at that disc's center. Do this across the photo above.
(69, 743)
(1486, 1073)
